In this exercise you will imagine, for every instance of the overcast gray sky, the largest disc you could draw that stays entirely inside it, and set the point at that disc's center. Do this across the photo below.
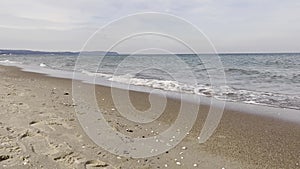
(232, 25)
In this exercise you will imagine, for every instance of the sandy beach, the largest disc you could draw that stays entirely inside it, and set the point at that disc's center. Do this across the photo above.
(39, 129)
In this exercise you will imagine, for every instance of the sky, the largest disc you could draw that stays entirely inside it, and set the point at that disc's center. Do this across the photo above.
(230, 25)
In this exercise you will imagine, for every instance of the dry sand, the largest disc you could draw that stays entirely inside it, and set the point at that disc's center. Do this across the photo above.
(39, 129)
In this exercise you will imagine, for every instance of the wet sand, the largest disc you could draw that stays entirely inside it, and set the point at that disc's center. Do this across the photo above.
(39, 129)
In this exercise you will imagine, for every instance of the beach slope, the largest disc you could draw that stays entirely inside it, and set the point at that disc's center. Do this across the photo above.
(39, 129)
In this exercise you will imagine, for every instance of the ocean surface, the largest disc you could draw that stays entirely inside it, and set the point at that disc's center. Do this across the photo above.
(264, 79)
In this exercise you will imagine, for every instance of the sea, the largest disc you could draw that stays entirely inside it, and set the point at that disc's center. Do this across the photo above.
(270, 79)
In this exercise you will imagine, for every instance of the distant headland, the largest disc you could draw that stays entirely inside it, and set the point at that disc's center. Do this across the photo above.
(32, 52)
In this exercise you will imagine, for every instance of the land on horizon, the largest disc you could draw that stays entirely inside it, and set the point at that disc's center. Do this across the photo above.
(37, 52)
(66, 52)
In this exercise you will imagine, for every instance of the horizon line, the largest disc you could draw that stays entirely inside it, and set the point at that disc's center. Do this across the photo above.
(124, 53)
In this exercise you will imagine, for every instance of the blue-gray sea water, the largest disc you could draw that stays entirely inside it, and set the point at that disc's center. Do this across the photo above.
(265, 79)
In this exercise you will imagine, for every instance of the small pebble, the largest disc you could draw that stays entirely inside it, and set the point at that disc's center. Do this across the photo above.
(195, 165)
(128, 130)
(178, 163)
(183, 148)
(166, 165)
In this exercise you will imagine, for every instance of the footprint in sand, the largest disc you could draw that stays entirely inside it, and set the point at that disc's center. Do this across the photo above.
(42, 126)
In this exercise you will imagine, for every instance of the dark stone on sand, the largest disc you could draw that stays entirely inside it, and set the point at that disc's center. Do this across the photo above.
(128, 130)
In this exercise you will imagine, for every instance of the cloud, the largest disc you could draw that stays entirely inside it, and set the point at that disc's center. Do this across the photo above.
(232, 25)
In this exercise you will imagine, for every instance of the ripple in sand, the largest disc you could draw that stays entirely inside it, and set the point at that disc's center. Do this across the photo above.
(95, 164)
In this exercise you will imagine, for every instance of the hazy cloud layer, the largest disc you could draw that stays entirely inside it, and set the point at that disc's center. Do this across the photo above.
(232, 25)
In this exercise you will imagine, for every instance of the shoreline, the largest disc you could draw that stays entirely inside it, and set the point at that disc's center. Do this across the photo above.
(242, 140)
(287, 114)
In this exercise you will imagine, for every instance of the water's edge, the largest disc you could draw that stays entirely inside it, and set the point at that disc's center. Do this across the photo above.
(286, 114)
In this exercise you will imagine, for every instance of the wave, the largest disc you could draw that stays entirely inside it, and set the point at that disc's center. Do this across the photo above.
(242, 71)
(219, 92)
(43, 65)
(9, 62)
(167, 85)
(265, 76)
(158, 80)
(96, 74)
(296, 78)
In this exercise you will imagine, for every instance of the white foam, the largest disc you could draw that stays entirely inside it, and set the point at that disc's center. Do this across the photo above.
(219, 92)
(43, 65)
(8, 62)
(96, 74)
(168, 85)
(250, 102)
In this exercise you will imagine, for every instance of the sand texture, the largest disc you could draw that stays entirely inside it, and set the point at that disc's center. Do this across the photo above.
(39, 129)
